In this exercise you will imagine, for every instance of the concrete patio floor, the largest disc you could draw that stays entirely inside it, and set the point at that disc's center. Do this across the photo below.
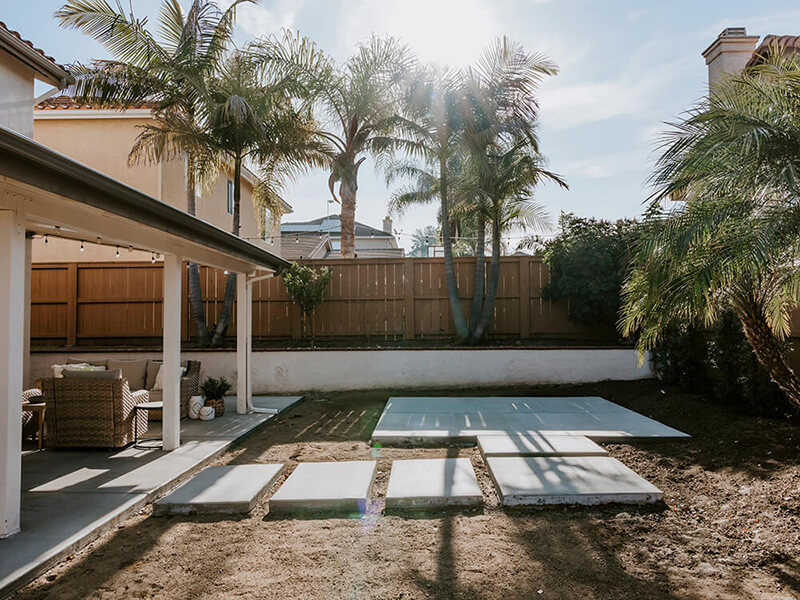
(71, 497)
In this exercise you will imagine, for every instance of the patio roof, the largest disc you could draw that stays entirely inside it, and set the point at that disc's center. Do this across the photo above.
(39, 168)
(24, 51)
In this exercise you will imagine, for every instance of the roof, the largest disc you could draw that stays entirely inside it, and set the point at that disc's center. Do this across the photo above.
(307, 245)
(31, 163)
(371, 253)
(771, 43)
(64, 102)
(331, 224)
(35, 58)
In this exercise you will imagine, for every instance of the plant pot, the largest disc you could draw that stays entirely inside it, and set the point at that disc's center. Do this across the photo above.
(218, 404)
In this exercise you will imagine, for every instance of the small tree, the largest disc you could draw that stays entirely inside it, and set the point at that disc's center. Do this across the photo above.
(306, 287)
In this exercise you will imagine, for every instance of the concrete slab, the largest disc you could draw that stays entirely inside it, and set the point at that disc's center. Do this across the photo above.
(568, 480)
(222, 489)
(433, 483)
(423, 420)
(536, 444)
(278, 404)
(325, 487)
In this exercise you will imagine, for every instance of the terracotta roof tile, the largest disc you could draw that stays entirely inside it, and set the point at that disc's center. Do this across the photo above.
(28, 43)
(770, 43)
(67, 102)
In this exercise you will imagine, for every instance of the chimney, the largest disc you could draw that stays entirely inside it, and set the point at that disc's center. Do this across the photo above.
(387, 224)
(729, 53)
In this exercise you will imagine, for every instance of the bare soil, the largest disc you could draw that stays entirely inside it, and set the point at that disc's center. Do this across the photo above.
(729, 526)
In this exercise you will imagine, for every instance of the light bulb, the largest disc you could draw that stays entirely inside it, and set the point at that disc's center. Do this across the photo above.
(45, 240)
(225, 272)
(117, 252)
(82, 246)
(152, 258)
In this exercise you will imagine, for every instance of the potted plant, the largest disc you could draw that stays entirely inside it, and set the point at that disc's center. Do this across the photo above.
(214, 390)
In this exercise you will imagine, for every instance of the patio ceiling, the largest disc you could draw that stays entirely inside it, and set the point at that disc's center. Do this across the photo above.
(64, 198)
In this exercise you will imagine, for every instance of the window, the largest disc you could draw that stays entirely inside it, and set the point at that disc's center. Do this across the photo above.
(230, 197)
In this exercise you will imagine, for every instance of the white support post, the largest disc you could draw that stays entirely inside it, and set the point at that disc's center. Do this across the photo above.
(26, 336)
(12, 344)
(244, 342)
(171, 415)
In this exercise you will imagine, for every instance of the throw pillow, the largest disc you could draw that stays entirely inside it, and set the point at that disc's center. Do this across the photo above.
(159, 382)
(195, 404)
(97, 362)
(207, 413)
(132, 370)
(58, 370)
(152, 370)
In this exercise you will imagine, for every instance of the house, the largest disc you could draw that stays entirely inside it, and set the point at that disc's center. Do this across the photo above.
(733, 50)
(102, 139)
(322, 238)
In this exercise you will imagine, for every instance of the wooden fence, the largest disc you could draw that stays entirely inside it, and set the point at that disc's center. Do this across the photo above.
(394, 299)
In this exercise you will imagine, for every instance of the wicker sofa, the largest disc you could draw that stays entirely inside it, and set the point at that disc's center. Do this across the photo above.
(91, 412)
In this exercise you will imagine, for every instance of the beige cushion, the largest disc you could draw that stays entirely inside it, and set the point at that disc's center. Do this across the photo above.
(152, 371)
(59, 369)
(103, 374)
(155, 395)
(97, 362)
(134, 371)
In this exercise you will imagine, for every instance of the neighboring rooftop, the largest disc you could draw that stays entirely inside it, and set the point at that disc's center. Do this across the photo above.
(24, 51)
(304, 246)
(332, 225)
(64, 102)
(772, 43)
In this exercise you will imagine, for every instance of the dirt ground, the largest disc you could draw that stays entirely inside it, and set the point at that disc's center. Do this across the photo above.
(729, 526)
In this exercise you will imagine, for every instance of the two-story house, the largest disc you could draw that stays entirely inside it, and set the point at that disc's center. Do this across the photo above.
(102, 139)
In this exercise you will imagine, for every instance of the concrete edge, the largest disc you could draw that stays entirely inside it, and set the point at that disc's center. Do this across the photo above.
(581, 499)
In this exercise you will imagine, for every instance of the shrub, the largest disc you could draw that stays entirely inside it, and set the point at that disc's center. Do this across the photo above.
(306, 287)
(588, 263)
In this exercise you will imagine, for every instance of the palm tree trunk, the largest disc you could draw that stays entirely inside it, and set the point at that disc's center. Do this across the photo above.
(230, 283)
(459, 322)
(491, 287)
(347, 193)
(480, 270)
(195, 291)
(768, 353)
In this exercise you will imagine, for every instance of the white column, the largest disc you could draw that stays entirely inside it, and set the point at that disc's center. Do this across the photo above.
(171, 417)
(12, 327)
(244, 345)
(26, 336)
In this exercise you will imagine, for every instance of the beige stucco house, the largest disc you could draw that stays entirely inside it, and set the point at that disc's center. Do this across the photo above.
(102, 139)
(321, 238)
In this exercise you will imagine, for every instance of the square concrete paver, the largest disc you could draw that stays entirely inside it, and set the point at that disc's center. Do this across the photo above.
(568, 480)
(221, 489)
(325, 487)
(535, 444)
(433, 483)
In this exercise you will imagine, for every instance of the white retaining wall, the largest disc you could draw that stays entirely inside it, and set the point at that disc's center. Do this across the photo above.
(329, 370)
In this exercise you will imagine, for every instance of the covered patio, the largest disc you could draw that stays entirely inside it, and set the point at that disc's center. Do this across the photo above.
(45, 193)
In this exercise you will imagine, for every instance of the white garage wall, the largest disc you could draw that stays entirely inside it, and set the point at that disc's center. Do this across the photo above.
(330, 370)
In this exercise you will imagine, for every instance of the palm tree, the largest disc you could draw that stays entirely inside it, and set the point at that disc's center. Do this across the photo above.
(429, 129)
(507, 179)
(170, 74)
(250, 114)
(501, 135)
(732, 241)
(359, 98)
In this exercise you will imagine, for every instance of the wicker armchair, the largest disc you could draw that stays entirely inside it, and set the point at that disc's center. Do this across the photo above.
(91, 412)
(29, 427)
(190, 386)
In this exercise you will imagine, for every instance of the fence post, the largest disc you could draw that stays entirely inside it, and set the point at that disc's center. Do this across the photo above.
(524, 297)
(72, 304)
(408, 298)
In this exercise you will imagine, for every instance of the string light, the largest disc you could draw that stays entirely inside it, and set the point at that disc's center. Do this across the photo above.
(82, 246)
(46, 240)
(117, 252)
(153, 258)
(225, 272)
(130, 248)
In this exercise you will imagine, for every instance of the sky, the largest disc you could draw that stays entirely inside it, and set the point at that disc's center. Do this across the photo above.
(626, 69)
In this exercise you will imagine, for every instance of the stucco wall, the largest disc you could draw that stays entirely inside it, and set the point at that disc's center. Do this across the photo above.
(104, 144)
(330, 370)
(16, 95)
